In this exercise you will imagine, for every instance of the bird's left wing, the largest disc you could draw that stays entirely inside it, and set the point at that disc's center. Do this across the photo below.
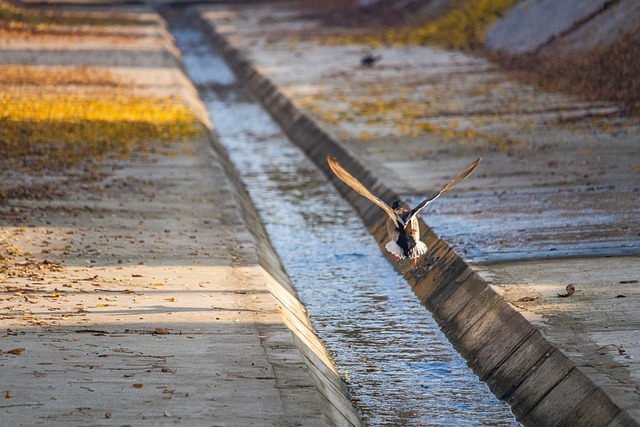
(358, 187)
(457, 180)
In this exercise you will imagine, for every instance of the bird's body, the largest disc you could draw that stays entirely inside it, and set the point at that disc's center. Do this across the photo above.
(403, 227)
(404, 241)
(369, 60)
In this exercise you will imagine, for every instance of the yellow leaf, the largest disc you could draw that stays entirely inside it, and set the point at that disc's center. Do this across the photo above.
(137, 385)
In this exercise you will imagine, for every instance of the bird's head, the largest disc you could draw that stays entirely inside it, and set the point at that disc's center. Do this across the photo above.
(397, 204)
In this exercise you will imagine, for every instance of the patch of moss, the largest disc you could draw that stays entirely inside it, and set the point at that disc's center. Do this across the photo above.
(57, 131)
(33, 75)
(463, 27)
(10, 14)
(408, 117)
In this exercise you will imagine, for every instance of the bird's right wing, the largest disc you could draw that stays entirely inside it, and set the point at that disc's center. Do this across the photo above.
(457, 180)
(358, 187)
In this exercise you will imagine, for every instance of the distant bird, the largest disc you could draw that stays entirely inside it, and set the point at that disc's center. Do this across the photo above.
(402, 225)
(369, 60)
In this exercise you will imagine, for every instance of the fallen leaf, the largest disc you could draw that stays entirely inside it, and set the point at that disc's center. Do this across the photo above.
(7, 395)
(137, 385)
(161, 331)
(17, 351)
(529, 298)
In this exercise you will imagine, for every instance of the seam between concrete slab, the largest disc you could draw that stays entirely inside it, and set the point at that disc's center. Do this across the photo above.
(479, 338)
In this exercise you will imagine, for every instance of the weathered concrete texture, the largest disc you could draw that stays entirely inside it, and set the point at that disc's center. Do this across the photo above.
(621, 18)
(571, 24)
(539, 377)
(149, 294)
(596, 327)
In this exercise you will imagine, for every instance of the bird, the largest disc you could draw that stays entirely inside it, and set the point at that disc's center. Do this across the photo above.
(403, 228)
(369, 60)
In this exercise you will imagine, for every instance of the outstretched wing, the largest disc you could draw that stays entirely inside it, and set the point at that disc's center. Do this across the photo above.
(358, 187)
(457, 180)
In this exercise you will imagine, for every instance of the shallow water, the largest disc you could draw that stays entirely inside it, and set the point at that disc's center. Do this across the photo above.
(401, 369)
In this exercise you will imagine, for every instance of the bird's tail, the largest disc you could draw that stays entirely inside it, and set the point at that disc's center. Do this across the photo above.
(395, 249)
(418, 250)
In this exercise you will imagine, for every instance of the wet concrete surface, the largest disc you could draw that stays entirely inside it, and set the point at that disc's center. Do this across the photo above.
(400, 368)
(554, 201)
(538, 224)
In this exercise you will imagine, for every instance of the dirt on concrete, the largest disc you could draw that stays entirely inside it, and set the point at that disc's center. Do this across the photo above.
(608, 73)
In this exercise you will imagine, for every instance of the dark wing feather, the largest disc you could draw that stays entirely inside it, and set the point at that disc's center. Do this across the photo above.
(457, 180)
(358, 187)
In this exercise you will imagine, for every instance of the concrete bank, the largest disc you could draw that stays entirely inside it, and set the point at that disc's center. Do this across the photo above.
(542, 384)
(548, 26)
(148, 293)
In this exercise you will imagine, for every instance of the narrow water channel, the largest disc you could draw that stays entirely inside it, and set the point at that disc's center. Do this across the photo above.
(401, 369)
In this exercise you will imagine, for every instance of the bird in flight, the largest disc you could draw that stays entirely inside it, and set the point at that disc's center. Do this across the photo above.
(402, 224)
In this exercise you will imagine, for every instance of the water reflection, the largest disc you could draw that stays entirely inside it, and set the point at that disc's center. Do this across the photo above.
(401, 369)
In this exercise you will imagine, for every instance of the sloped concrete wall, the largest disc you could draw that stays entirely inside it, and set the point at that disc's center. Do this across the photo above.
(621, 19)
(532, 25)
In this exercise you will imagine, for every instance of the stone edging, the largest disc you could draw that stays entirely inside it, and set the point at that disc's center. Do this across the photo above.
(542, 385)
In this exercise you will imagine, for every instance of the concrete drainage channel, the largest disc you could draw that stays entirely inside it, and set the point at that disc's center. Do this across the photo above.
(401, 369)
(399, 366)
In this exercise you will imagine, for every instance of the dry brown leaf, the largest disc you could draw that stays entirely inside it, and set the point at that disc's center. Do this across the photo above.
(161, 331)
(17, 351)
(138, 385)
